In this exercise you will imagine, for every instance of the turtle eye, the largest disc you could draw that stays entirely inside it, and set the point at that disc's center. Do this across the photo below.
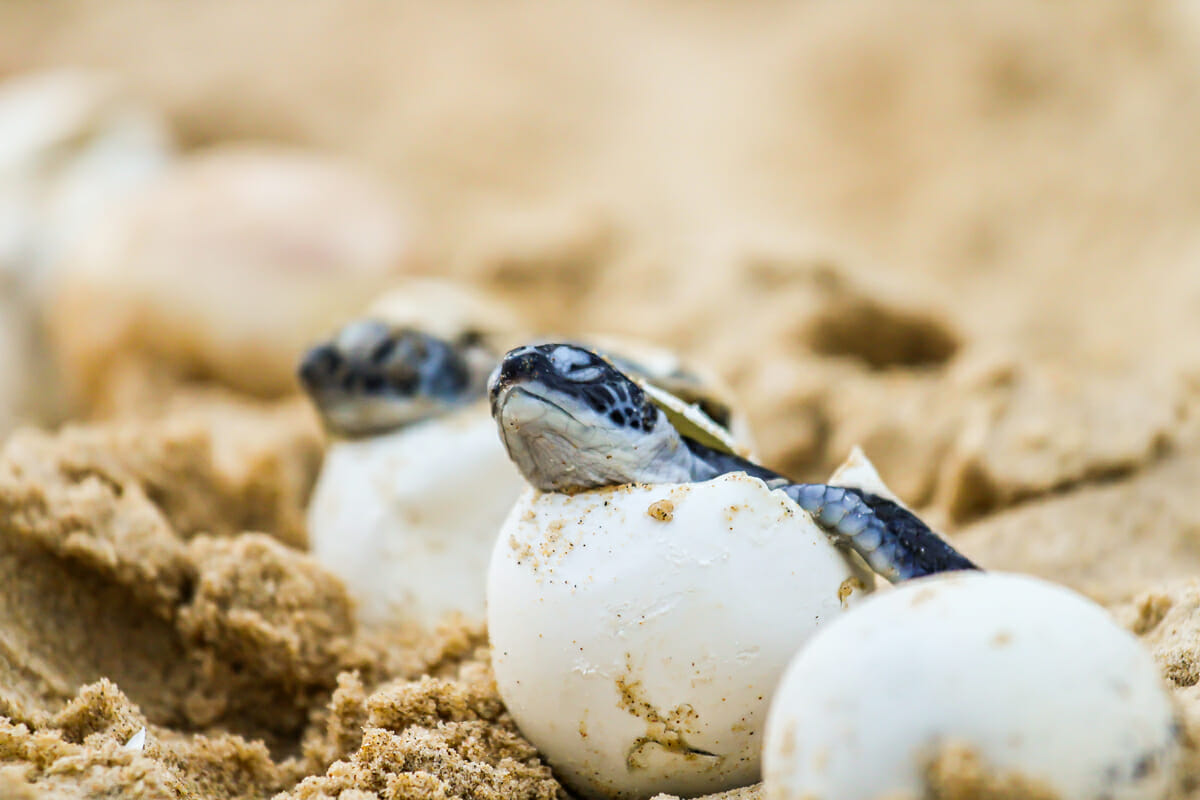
(575, 363)
(584, 374)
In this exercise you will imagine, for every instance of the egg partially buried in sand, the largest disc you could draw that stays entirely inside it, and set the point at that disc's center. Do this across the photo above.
(1032, 685)
(639, 631)
(408, 518)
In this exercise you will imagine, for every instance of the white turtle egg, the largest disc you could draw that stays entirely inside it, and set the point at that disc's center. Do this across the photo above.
(14, 352)
(1037, 683)
(407, 519)
(639, 631)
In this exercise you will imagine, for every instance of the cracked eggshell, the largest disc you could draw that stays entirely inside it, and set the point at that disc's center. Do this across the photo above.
(639, 631)
(857, 472)
(669, 373)
(1036, 681)
(408, 519)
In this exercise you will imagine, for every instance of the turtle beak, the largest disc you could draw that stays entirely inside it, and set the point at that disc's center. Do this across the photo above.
(495, 389)
(503, 378)
(518, 366)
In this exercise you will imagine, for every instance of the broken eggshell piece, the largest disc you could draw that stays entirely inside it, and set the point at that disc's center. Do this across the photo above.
(639, 631)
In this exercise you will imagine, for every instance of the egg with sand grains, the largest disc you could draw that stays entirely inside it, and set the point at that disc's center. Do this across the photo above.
(638, 631)
(972, 680)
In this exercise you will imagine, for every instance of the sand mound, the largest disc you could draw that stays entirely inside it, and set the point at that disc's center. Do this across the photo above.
(126, 573)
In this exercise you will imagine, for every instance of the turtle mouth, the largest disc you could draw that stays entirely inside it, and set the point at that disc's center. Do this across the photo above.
(520, 403)
(524, 368)
(541, 435)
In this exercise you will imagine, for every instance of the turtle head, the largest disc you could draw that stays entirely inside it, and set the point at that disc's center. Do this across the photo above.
(372, 377)
(571, 420)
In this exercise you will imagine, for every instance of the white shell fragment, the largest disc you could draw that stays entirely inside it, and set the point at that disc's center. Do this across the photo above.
(407, 519)
(137, 742)
(857, 472)
(691, 421)
(1036, 682)
(638, 632)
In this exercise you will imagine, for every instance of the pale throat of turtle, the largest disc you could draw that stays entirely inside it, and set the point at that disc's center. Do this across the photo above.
(589, 458)
(664, 459)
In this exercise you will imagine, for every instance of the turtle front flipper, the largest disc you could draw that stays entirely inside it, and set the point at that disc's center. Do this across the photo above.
(890, 538)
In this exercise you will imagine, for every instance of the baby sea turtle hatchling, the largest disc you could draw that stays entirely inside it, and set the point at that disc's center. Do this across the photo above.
(638, 630)
(373, 377)
(571, 420)
(420, 351)
(413, 484)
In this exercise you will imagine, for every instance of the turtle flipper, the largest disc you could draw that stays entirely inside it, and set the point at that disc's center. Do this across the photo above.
(889, 537)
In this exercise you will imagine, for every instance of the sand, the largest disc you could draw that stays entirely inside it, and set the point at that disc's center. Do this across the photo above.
(964, 238)
(130, 602)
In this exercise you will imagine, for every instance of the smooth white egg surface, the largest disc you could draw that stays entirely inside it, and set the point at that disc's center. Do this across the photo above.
(408, 519)
(1035, 681)
(638, 632)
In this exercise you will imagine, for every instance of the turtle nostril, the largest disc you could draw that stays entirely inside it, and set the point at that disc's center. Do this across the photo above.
(522, 364)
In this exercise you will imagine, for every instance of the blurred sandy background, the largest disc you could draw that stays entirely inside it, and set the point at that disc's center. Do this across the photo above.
(979, 153)
(965, 236)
